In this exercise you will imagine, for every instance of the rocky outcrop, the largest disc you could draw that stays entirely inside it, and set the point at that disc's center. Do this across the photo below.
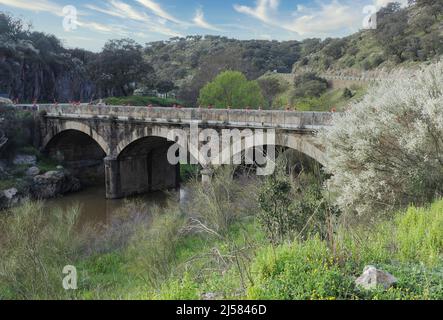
(53, 183)
(373, 278)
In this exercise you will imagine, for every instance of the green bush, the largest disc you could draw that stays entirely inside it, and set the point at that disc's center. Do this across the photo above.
(309, 85)
(419, 235)
(298, 271)
(293, 207)
(178, 289)
(414, 236)
(232, 89)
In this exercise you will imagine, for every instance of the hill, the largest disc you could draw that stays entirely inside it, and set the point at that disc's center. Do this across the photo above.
(34, 65)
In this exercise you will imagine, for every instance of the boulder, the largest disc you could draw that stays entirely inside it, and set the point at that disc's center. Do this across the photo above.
(210, 296)
(373, 278)
(9, 198)
(33, 171)
(54, 183)
(22, 159)
(59, 168)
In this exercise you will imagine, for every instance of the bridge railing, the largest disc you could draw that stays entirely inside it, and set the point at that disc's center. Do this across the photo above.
(261, 118)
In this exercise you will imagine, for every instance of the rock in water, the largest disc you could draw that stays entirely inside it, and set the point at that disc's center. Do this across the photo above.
(33, 171)
(373, 277)
(54, 183)
(25, 160)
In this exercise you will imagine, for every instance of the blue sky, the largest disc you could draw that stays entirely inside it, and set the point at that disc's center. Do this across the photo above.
(152, 20)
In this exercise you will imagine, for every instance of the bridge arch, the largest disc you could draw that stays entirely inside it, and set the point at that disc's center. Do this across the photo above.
(79, 148)
(81, 127)
(294, 142)
(158, 132)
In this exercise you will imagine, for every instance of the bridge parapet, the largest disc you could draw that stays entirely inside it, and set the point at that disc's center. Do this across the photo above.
(238, 118)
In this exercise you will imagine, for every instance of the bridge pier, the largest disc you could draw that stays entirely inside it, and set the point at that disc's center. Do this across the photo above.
(112, 178)
(140, 174)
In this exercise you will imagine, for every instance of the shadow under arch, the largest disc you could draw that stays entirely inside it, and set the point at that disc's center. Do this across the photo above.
(78, 152)
(298, 144)
(144, 167)
(81, 127)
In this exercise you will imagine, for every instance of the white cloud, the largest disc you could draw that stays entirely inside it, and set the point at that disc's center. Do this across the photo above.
(323, 20)
(158, 10)
(97, 27)
(200, 21)
(327, 19)
(128, 10)
(262, 11)
(105, 11)
(35, 5)
(122, 10)
(119, 9)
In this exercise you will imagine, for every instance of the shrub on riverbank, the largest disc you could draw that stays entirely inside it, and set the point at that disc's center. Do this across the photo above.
(385, 152)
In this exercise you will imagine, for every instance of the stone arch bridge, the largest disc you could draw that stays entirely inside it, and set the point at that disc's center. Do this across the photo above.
(128, 145)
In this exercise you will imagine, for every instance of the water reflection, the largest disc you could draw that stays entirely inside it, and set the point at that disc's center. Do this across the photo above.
(95, 209)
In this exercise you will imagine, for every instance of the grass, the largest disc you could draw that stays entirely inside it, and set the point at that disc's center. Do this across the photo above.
(46, 164)
(140, 101)
(331, 99)
(185, 252)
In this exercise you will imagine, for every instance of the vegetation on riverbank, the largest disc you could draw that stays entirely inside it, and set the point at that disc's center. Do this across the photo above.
(216, 247)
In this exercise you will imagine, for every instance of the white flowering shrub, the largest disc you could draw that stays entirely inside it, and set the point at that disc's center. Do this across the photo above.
(386, 151)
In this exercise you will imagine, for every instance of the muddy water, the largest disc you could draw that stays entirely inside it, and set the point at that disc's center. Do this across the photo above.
(95, 209)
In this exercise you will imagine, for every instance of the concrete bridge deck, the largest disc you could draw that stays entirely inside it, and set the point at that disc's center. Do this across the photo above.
(290, 120)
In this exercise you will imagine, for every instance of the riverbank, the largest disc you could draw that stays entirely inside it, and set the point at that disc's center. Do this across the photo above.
(217, 247)
(33, 177)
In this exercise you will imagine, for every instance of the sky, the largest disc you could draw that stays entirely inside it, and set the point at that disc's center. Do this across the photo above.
(89, 24)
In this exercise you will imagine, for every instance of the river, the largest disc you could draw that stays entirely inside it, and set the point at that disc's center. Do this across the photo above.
(96, 210)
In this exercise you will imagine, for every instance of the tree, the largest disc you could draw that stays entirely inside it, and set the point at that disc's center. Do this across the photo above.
(231, 88)
(386, 151)
(121, 66)
(392, 23)
(165, 86)
(309, 85)
(270, 88)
